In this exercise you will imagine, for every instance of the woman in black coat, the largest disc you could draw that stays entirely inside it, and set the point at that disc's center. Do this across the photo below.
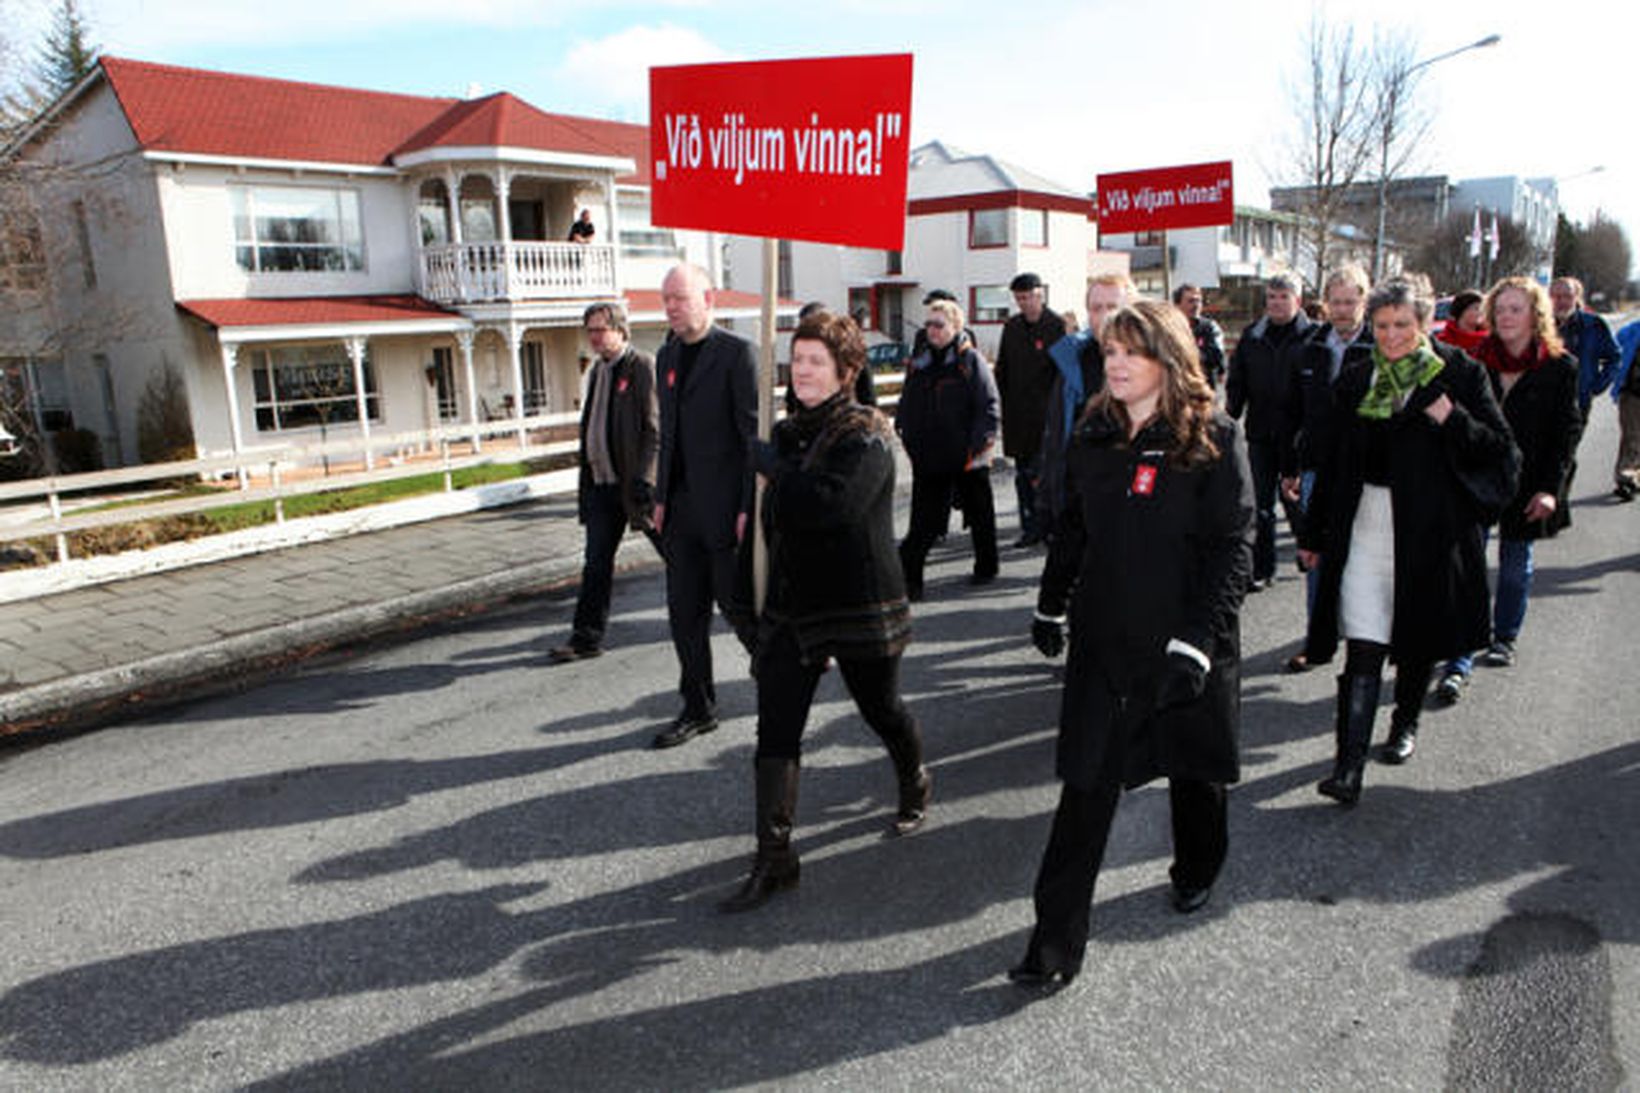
(1535, 379)
(834, 591)
(1152, 561)
(947, 417)
(1417, 462)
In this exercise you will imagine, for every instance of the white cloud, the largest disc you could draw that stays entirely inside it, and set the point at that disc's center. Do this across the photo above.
(613, 72)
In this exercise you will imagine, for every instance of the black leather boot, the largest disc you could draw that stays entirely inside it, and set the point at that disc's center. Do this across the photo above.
(1357, 706)
(915, 783)
(1402, 742)
(775, 868)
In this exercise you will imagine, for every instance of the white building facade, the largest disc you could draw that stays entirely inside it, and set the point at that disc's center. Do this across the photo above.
(311, 259)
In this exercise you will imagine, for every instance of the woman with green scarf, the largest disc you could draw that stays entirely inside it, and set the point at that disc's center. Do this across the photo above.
(1416, 461)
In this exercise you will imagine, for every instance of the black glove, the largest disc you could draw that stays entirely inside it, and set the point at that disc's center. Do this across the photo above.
(1048, 635)
(1184, 682)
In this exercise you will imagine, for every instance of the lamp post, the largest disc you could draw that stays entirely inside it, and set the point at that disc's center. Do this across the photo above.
(1389, 106)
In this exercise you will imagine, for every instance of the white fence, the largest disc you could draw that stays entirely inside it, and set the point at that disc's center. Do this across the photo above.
(271, 466)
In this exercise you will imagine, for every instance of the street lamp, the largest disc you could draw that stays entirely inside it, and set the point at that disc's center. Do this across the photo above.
(1396, 81)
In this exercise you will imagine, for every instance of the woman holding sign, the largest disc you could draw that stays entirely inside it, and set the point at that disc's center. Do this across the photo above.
(1150, 564)
(834, 590)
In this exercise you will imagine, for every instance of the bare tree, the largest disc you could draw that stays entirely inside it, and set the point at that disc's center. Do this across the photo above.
(1598, 255)
(1400, 121)
(1445, 255)
(1332, 145)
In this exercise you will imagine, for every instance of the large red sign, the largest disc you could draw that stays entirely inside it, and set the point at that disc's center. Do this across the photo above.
(1197, 196)
(814, 149)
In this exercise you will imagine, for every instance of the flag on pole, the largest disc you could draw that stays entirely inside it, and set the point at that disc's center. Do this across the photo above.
(1475, 235)
(1494, 239)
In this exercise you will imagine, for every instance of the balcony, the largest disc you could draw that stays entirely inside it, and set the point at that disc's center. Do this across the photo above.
(468, 273)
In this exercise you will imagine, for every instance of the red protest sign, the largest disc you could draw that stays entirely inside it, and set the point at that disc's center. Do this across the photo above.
(814, 149)
(1197, 196)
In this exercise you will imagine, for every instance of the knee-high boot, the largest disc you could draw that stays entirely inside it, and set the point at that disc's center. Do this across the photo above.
(915, 783)
(1411, 684)
(776, 866)
(1357, 706)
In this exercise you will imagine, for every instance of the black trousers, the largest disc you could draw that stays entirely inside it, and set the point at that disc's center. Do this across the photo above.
(698, 572)
(785, 691)
(1265, 466)
(605, 525)
(1076, 849)
(930, 511)
(1366, 658)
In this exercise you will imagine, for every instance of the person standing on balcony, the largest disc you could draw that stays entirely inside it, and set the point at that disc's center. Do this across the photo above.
(582, 230)
(1025, 375)
(703, 495)
(620, 441)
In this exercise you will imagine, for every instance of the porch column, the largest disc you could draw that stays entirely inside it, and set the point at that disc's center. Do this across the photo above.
(230, 361)
(612, 215)
(515, 341)
(464, 341)
(503, 188)
(452, 197)
(355, 352)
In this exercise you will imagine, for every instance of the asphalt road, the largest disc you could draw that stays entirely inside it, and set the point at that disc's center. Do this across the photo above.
(446, 865)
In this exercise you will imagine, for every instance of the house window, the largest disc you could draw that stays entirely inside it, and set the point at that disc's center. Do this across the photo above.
(988, 228)
(82, 236)
(50, 382)
(433, 213)
(297, 229)
(22, 253)
(989, 303)
(534, 366)
(783, 268)
(444, 383)
(860, 307)
(639, 238)
(1033, 227)
(300, 386)
(1147, 239)
(894, 263)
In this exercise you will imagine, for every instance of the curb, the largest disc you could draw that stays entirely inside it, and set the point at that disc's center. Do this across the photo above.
(82, 701)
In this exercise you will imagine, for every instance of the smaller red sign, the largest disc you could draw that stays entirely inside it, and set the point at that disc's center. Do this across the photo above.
(1197, 196)
(1144, 480)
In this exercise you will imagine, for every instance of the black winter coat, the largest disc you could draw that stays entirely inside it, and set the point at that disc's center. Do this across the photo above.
(1446, 482)
(828, 518)
(1025, 375)
(1261, 381)
(1541, 409)
(947, 412)
(1149, 552)
(1312, 392)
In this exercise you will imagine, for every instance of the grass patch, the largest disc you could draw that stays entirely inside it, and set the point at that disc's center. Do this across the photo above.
(142, 534)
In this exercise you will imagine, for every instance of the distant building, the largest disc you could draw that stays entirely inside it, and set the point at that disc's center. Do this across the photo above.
(972, 223)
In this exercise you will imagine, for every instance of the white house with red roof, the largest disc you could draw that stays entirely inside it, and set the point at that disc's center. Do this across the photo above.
(972, 223)
(306, 255)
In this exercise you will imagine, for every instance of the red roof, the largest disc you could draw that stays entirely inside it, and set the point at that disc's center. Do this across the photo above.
(314, 310)
(192, 110)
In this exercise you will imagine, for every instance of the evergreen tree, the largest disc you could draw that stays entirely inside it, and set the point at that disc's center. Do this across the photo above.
(68, 54)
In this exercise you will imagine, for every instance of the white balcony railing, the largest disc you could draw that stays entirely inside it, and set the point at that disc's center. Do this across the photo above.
(471, 272)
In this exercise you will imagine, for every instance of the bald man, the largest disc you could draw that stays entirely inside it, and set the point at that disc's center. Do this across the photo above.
(707, 380)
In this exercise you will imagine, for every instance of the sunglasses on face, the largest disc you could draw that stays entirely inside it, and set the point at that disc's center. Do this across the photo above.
(935, 324)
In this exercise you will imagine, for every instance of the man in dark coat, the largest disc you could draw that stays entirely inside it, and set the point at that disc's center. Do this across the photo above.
(1207, 334)
(1025, 376)
(1260, 384)
(620, 440)
(1080, 367)
(708, 401)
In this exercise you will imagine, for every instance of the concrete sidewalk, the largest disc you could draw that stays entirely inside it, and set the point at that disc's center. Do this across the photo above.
(75, 658)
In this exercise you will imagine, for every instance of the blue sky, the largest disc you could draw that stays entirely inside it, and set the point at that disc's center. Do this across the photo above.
(1065, 89)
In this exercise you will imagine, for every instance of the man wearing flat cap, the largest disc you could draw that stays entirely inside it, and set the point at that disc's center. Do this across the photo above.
(1025, 375)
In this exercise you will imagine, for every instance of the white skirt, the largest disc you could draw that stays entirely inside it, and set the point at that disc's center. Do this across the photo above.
(1366, 606)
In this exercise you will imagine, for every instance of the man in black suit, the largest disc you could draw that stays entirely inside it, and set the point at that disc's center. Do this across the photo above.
(708, 393)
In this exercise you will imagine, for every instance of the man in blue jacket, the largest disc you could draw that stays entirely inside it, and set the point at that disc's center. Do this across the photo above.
(1587, 338)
